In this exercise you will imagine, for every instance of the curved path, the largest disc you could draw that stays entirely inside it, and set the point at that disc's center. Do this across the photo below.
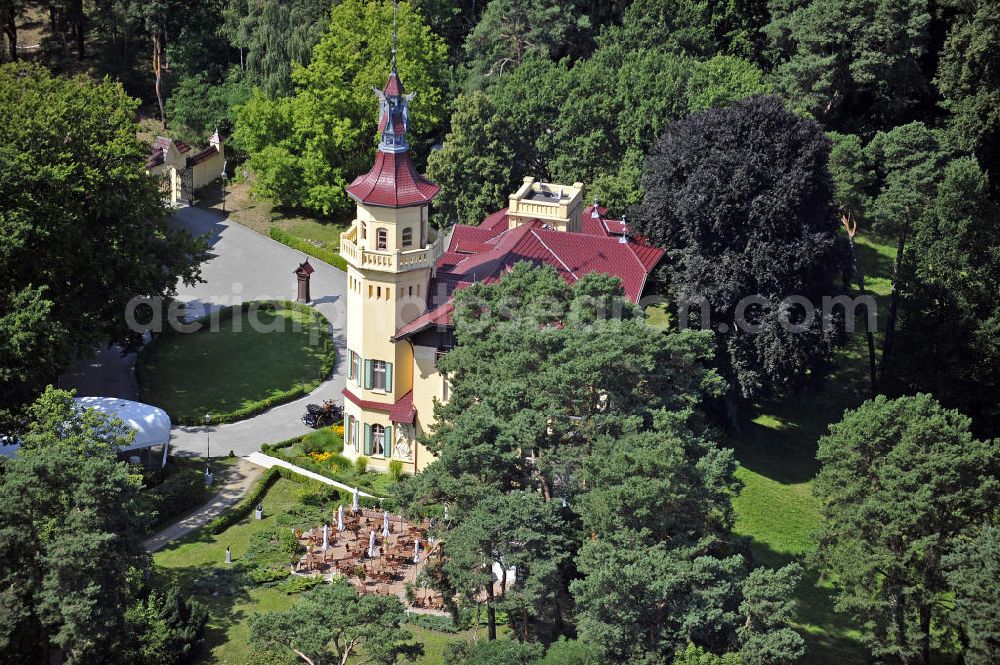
(242, 265)
(245, 265)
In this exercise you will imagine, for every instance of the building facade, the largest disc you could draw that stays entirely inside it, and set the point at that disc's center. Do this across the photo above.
(401, 274)
(183, 169)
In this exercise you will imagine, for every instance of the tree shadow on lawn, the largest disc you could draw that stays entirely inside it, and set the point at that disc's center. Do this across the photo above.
(831, 637)
(221, 600)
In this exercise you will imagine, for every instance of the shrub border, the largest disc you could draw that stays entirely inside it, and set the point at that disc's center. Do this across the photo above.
(329, 362)
(326, 255)
(246, 505)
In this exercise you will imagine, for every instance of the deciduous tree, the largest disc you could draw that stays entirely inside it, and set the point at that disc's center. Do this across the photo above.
(474, 167)
(741, 199)
(83, 226)
(304, 149)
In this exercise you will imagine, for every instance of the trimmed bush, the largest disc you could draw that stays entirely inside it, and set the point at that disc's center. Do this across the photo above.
(178, 494)
(361, 466)
(329, 362)
(442, 624)
(249, 502)
(298, 584)
(328, 255)
(396, 470)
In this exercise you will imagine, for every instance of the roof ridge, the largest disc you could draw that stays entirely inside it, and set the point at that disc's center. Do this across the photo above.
(534, 232)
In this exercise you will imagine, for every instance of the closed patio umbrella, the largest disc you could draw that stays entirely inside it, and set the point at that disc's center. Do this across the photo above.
(371, 545)
(416, 551)
(385, 524)
(354, 503)
(326, 536)
(340, 518)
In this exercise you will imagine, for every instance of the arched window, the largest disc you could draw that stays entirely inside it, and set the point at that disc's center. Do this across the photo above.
(407, 237)
(378, 440)
(382, 239)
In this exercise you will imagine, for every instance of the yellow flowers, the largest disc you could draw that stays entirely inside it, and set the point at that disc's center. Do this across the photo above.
(320, 456)
(338, 430)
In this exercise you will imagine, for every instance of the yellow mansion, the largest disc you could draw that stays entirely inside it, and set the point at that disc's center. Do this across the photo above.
(401, 273)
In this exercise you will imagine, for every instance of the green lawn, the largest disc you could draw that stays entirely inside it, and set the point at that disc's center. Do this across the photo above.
(227, 634)
(237, 365)
(776, 450)
(319, 238)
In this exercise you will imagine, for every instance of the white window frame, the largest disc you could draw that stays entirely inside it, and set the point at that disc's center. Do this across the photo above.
(379, 372)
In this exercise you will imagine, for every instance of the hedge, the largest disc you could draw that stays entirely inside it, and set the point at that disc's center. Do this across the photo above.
(262, 405)
(176, 495)
(247, 505)
(330, 256)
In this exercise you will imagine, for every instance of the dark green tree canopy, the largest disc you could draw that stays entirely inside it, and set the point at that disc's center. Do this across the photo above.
(332, 621)
(900, 481)
(852, 64)
(274, 37)
(68, 537)
(973, 572)
(741, 199)
(83, 226)
(968, 77)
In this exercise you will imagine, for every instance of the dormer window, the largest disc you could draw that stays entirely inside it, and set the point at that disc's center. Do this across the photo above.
(407, 237)
(382, 239)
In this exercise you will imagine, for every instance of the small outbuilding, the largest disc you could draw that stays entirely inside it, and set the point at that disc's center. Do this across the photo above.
(302, 274)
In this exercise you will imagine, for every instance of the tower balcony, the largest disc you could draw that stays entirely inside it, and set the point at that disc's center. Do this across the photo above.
(385, 261)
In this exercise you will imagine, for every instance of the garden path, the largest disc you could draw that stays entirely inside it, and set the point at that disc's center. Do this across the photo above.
(267, 462)
(245, 265)
(242, 265)
(239, 478)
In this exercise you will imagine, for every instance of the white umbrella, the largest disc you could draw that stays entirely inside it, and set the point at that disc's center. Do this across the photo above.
(385, 524)
(371, 545)
(326, 537)
(416, 551)
(354, 503)
(446, 512)
(340, 517)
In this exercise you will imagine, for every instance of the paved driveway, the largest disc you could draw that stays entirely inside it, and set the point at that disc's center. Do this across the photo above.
(243, 265)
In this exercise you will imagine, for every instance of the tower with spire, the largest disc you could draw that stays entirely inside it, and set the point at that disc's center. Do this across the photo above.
(390, 250)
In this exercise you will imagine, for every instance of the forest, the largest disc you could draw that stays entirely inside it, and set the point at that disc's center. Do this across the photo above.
(785, 148)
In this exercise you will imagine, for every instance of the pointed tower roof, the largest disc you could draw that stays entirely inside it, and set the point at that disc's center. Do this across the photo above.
(393, 182)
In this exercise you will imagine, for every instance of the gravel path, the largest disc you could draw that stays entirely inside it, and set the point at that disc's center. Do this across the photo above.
(243, 265)
(239, 479)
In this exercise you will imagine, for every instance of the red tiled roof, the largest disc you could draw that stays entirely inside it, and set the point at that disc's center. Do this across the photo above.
(393, 86)
(573, 255)
(160, 144)
(600, 225)
(439, 316)
(403, 411)
(366, 403)
(393, 182)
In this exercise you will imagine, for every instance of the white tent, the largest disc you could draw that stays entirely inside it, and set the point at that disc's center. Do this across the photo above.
(151, 424)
